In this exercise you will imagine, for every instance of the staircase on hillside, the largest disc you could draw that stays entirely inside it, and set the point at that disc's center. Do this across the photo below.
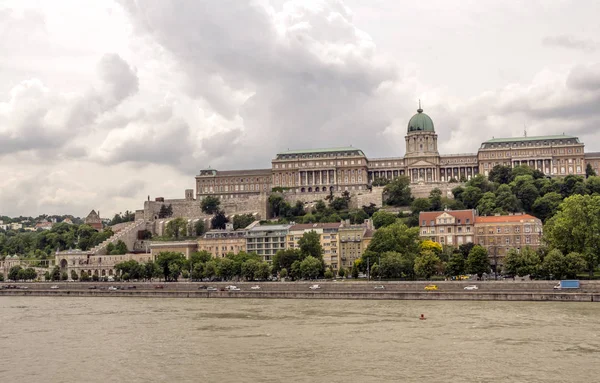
(127, 235)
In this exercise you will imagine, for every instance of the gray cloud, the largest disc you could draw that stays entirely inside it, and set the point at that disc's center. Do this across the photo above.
(570, 42)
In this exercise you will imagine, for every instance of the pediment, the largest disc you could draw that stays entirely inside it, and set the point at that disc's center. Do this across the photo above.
(421, 164)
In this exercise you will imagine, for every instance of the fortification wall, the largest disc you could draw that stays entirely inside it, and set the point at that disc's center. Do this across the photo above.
(364, 199)
(357, 198)
(423, 190)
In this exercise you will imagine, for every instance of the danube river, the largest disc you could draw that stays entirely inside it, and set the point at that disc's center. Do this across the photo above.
(229, 340)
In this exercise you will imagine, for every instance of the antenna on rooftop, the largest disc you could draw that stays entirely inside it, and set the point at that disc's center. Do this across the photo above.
(525, 130)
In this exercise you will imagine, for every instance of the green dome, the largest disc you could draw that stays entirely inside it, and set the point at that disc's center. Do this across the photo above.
(420, 122)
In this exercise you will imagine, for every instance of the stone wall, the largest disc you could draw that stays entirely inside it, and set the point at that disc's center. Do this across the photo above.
(364, 198)
(422, 190)
(357, 198)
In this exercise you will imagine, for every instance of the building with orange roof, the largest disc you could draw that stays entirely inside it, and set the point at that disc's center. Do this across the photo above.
(500, 233)
(451, 227)
(328, 235)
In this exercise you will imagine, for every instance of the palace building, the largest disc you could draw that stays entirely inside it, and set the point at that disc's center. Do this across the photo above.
(349, 169)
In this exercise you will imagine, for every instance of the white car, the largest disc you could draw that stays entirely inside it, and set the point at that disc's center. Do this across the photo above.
(314, 287)
(211, 288)
(558, 287)
(471, 287)
(54, 287)
(255, 287)
(112, 288)
(381, 287)
(230, 287)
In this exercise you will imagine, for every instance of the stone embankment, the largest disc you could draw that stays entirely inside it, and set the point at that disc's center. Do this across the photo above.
(487, 291)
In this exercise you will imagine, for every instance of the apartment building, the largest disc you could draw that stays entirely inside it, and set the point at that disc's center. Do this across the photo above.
(354, 240)
(452, 227)
(219, 243)
(500, 233)
(329, 239)
(266, 240)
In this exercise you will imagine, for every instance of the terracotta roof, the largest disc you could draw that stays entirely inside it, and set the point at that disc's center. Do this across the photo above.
(504, 218)
(308, 226)
(463, 215)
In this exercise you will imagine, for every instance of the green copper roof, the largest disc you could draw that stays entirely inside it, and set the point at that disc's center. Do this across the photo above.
(325, 150)
(533, 138)
(420, 122)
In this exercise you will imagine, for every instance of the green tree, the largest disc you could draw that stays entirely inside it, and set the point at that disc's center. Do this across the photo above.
(341, 272)
(397, 238)
(435, 199)
(455, 265)
(328, 274)
(397, 192)
(589, 171)
(1, 277)
(487, 204)
(163, 212)
(74, 275)
(284, 259)
(506, 200)
(210, 270)
(176, 228)
(522, 263)
(283, 273)
(249, 269)
(357, 216)
(13, 273)
(575, 228)
(263, 271)
(199, 228)
(575, 263)
(310, 245)
(426, 264)
(64, 276)
(371, 209)
(276, 201)
(500, 174)
(525, 191)
(383, 218)
(170, 263)
(477, 261)
(392, 265)
(55, 275)
(84, 277)
(296, 272)
(210, 204)
(593, 184)
(354, 271)
(339, 203)
(554, 264)
(219, 220)
(241, 221)
(311, 267)
(419, 205)
(546, 206)
(471, 196)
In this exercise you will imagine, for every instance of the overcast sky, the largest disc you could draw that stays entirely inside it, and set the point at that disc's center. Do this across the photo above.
(103, 103)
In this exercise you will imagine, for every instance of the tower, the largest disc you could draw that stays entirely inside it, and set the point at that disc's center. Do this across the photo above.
(422, 157)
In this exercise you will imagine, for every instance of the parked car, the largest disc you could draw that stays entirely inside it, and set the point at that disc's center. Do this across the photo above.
(112, 288)
(314, 287)
(159, 287)
(54, 287)
(431, 287)
(471, 287)
(211, 288)
(557, 287)
(255, 287)
(380, 287)
(92, 288)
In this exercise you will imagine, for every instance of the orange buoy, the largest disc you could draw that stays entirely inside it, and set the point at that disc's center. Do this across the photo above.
(422, 317)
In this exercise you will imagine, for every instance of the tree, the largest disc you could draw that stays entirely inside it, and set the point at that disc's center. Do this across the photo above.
(339, 203)
(283, 273)
(370, 210)
(354, 271)
(426, 264)
(522, 263)
(298, 209)
(311, 267)
(546, 206)
(392, 265)
(84, 276)
(263, 271)
(429, 245)
(487, 204)
(589, 171)
(219, 220)
(74, 275)
(170, 264)
(593, 184)
(284, 259)
(341, 272)
(176, 228)
(455, 265)
(554, 264)
(1, 277)
(55, 275)
(64, 276)
(249, 269)
(296, 272)
(574, 264)
(500, 174)
(199, 228)
(357, 216)
(383, 218)
(275, 201)
(477, 261)
(378, 181)
(210, 269)
(397, 238)
(525, 191)
(241, 221)
(435, 199)
(397, 192)
(210, 204)
(419, 205)
(119, 248)
(163, 212)
(13, 273)
(506, 200)
(471, 196)
(328, 274)
(310, 245)
(575, 228)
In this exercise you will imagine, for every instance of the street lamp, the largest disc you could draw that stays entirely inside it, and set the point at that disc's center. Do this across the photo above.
(379, 267)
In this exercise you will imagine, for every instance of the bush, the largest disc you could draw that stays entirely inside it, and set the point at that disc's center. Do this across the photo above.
(283, 273)
(328, 274)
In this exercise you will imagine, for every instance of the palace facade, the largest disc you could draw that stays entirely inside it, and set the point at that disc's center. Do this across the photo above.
(348, 168)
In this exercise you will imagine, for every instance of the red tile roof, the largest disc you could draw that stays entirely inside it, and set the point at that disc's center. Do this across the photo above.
(504, 218)
(463, 215)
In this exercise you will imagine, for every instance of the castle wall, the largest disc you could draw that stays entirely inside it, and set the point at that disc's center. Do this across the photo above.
(422, 190)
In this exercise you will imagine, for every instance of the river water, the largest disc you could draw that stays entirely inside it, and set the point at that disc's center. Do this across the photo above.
(65, 339)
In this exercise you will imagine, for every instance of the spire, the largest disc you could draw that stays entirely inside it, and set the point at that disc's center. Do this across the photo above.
(525, 130)
(419, 110)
